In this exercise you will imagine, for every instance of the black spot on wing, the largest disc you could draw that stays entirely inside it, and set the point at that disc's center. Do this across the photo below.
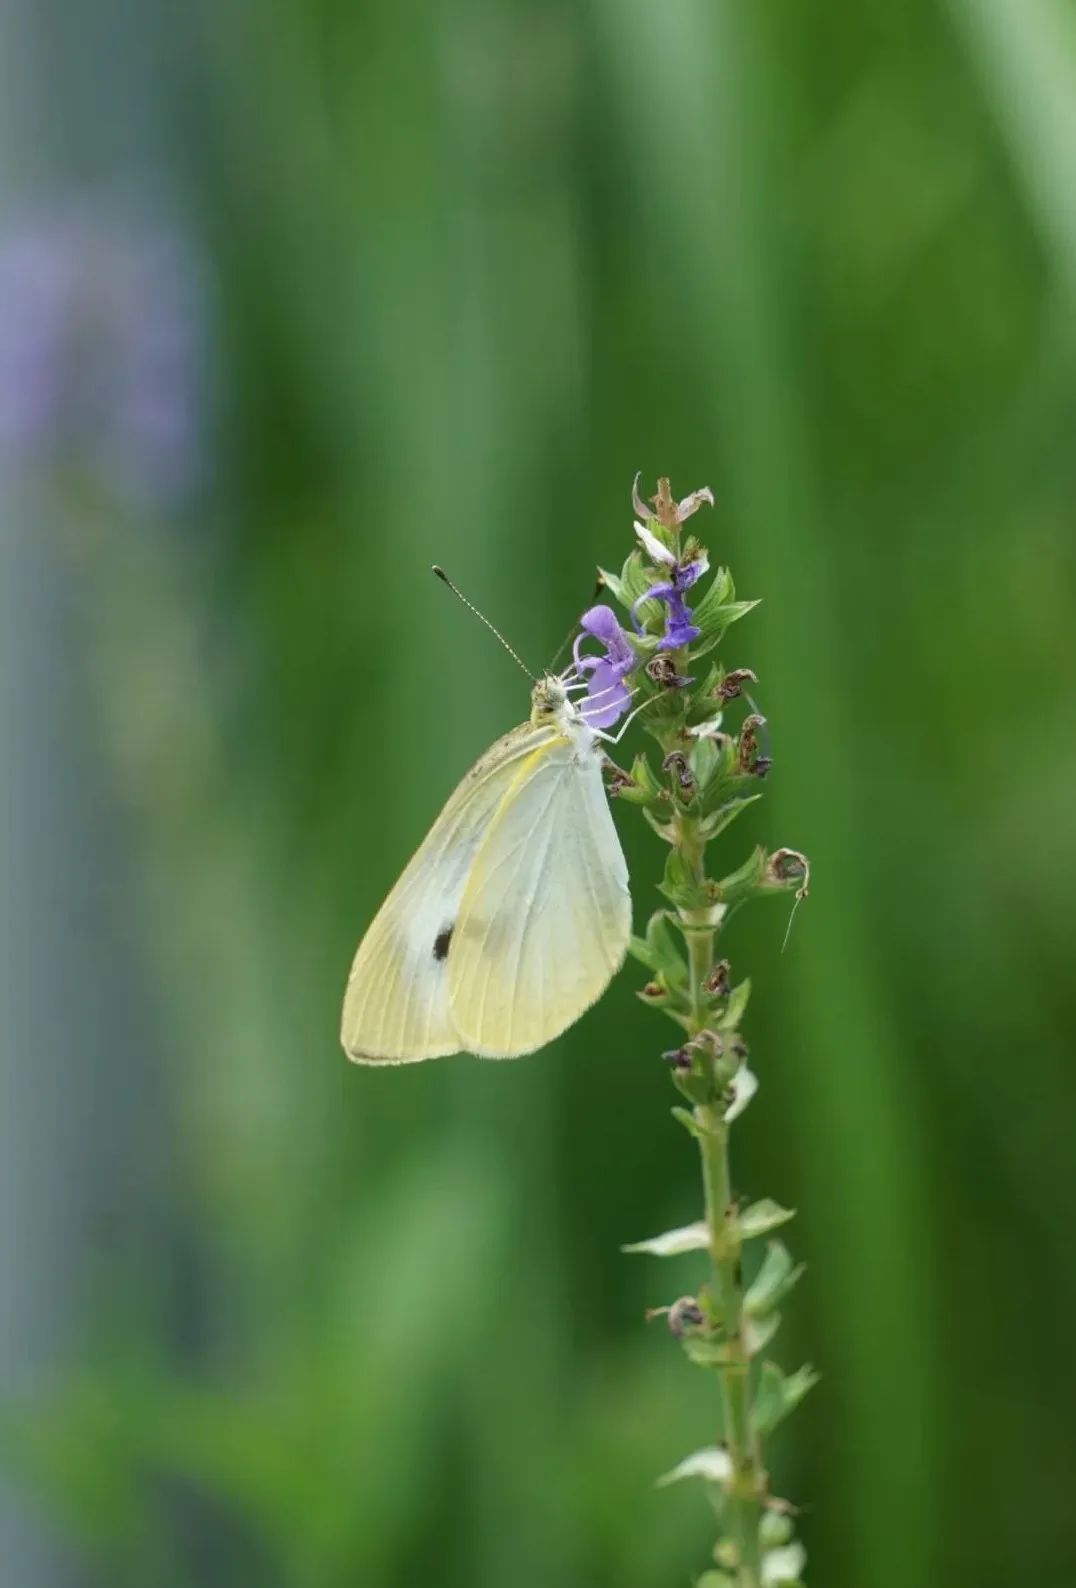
(441, 942)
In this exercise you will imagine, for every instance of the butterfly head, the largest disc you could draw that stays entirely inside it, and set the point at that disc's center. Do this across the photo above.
(550, 704)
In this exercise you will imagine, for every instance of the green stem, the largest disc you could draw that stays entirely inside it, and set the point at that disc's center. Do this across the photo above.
(744, 1501)
(747, 1485)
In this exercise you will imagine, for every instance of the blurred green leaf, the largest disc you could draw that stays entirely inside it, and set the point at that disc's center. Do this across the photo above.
(777, 1395)
(773, 1281)
(758, 1218)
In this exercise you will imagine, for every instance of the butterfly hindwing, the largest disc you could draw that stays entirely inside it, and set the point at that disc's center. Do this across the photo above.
(545, 916)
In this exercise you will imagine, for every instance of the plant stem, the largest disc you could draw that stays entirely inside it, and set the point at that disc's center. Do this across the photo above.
(745, 1490)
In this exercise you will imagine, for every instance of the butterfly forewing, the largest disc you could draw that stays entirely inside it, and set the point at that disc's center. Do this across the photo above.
(396, 1007)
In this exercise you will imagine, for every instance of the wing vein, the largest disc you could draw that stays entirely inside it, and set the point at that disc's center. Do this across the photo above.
(524, 840)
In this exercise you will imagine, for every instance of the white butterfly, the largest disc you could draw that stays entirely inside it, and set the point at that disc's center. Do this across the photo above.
(514, 914)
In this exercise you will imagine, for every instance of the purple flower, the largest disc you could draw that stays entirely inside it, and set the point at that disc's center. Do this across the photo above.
(679, 628)
(605, 684)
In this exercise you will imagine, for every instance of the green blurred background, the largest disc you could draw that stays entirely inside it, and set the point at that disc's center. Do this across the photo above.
(296, 297)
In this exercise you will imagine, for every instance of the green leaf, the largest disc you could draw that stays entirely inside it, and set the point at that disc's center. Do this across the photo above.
(761, 1217)
(737, 1004)
(758, 1332)
(716, 612)
(665, 830)
(724, 816)
(639, 949)
(719, 591)
(648, 787)
(687, 1119)
(774, 1280)
(659, 951)
(731, 783)
(667, 952)
(614, 584)
(741, 884)
(689, 1238)
(777, 1395)
(636, 577)
(768, 1406)
(679, 885)
(705, 1351)
(703, 759)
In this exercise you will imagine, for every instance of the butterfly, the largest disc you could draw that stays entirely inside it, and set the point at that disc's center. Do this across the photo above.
(513, 915)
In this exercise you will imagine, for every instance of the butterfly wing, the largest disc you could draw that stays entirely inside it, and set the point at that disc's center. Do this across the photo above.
(396, 1009)
(545, 916)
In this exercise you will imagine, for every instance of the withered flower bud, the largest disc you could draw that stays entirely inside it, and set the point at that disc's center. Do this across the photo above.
(748, 755)
(731, 686)
(616, 779)
(685, 1316)
(666, 509)
(662, 669)
(717, 983)
(787, 866)
(676, 763)
(708, 1042)
(679, 1059)
(664, 506)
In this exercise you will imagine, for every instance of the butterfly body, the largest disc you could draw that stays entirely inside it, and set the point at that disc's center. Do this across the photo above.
(512, 916)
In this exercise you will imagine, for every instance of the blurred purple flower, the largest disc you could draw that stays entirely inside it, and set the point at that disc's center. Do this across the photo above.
(605, 684)
(103, 353)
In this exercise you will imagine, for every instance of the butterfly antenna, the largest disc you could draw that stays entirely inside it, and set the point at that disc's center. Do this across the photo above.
(563, 646)
(456, 591)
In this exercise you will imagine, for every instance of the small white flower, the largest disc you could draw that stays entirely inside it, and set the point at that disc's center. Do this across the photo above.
(708, 729)
(653, 547)
(691, 1238)
(713, 1464)
(783, 1565)
(744, 1085)
(692, 503)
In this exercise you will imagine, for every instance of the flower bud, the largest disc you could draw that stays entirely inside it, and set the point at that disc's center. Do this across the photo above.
(774, 1530)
